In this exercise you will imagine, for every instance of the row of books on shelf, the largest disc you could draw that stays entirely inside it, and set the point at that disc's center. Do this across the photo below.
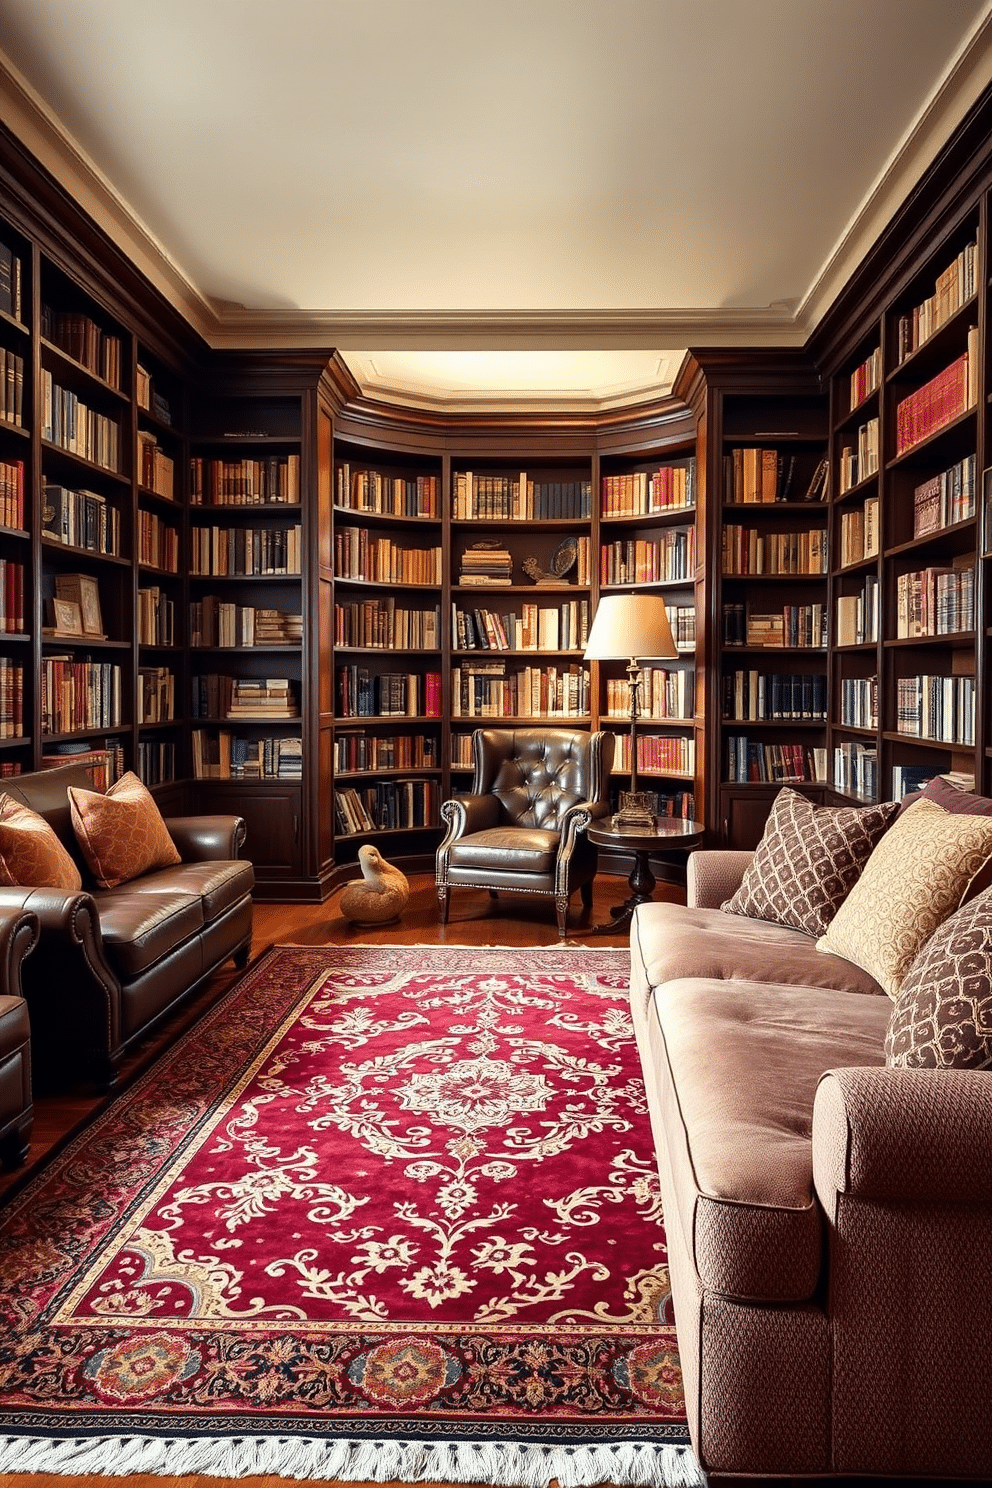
(357, 555)
(859, 461)
(76, 428)
(387, 495)
(940, 708)
(657, 754)
(641, 494)
(665, 693)
(668, 558)
(940, 401)
(156, 761)
(155, 468)
(866, 378)
(382, 624)
(245, 551)
(859, 702)
(859, 533)
(11, 387)
(489, 690)
(12, 493)
(386, 806)
(944, 499)
(218, 696)
(103, 762)
(794, 626)
(79, 695)
(746, 550)
(856, 770)
(156, 700)
(218, 622)
(11, 282)
(758, 476)
(11, 699)
(156, 618)
(220, 754)
(12, 603)
(361, 693)
(363, 751)
(858, 614)
(79, 336)
(753, 760)
(81, 519)
(563, 627)
(271, 480)
(158, 542)
(956, 284)
(489, 497)
(936, 601)
(785, 696)
(149, 397)
(907, 778)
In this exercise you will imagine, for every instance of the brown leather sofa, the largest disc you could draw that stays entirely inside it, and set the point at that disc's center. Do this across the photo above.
(522, 826)
(829, 1219)
(111, 962)
(18, 936)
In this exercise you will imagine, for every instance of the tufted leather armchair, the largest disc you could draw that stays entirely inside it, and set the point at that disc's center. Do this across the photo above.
(522, 827)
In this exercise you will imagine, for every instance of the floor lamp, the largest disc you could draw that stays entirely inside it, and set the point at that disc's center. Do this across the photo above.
(634, 626)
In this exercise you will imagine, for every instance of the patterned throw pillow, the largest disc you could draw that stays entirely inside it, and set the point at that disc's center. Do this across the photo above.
(943, 1018)
(122, 833)
(30, 853)
(808, 861)
(912, 882)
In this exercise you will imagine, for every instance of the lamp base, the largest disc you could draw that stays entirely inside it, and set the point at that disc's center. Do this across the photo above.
(637, 809)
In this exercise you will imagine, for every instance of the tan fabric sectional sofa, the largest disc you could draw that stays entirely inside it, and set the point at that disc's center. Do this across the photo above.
(828, 1213)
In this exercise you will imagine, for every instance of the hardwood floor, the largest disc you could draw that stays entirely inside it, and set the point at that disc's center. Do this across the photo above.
(475, 920)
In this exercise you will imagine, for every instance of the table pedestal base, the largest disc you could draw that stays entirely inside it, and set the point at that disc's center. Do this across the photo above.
(641, 883)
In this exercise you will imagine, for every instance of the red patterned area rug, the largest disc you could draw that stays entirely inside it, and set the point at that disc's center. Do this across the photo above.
(382, 1213)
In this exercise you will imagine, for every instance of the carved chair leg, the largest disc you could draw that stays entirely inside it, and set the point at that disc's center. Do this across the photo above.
(561, 913)
(443, 896)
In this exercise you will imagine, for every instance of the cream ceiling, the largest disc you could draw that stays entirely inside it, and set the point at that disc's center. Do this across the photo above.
(494, 200)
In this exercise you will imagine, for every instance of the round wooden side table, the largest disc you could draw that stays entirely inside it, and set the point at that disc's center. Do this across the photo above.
(668, 833)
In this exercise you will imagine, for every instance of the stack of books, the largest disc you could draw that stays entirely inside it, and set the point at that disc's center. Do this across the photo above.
(486, 565)
(262, 697)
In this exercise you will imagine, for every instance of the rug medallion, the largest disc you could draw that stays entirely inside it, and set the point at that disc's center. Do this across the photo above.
(377, 1195)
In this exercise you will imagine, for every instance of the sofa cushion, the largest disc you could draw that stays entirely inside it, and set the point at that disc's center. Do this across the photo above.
(30, 853)
(808, 860)
(138, 929)
(913, 880)
(507, 849)
(121, 833)
(943, 1018)
(672, 940)
(218, 883)
(742, 1061)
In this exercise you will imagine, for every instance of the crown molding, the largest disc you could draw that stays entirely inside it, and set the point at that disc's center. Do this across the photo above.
(965, 78)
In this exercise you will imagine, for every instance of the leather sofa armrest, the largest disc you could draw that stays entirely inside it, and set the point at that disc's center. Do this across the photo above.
(903, 1136)
(465, 814)
(19, 930)
(713, 875)
(202, 839)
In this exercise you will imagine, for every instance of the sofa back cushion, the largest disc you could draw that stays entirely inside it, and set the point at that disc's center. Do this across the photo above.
(913, 881)
(808, 860)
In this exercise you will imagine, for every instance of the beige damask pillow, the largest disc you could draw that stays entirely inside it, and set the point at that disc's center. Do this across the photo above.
(913, 881)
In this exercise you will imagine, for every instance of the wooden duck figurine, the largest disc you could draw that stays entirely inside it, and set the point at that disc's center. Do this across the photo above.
(380, 895)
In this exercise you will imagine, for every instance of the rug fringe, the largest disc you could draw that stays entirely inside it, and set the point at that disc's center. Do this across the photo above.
(513, 1464)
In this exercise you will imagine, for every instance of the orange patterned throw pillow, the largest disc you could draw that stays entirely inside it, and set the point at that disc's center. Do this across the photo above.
(30, 853)
(122, 833)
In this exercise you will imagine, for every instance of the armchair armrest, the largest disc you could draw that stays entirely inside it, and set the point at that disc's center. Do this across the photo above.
(913, 1136)
(465, 814)
(713, 875)
(201, 839)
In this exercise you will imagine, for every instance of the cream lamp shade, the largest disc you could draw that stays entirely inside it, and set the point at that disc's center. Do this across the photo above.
(632, 626)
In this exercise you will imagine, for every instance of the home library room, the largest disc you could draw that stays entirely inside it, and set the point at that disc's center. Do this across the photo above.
(235, 574)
